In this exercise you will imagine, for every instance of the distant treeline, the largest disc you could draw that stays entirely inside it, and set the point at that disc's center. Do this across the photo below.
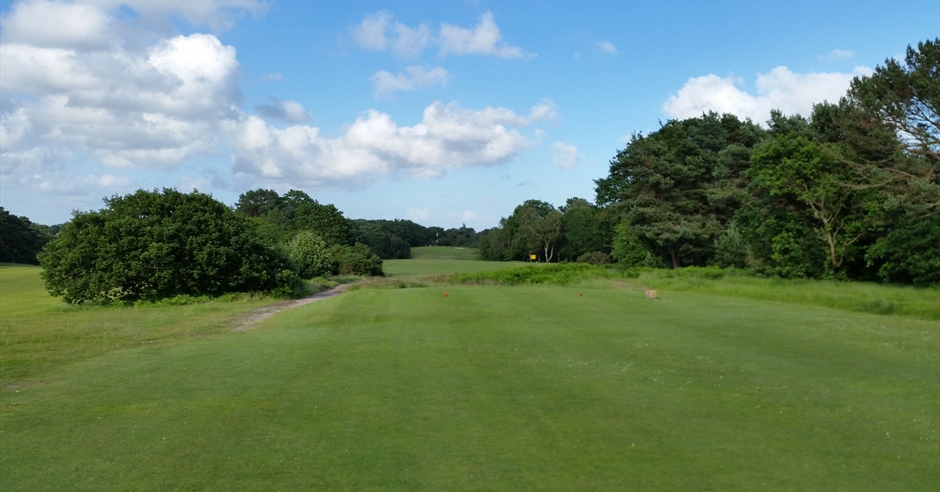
(851, 192)
(21, 240)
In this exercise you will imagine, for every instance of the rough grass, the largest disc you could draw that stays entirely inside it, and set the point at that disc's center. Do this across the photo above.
(498, 388)
(556, 274)
(39, 332)
(855, 296)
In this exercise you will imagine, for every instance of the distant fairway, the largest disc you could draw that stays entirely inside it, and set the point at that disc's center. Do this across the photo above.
(490, 388)
(435, 260)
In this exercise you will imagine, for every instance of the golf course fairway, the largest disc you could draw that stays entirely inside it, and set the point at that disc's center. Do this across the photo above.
(495, 388)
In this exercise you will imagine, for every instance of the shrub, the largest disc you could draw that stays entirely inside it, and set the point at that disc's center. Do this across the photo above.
(355, 260)
(310, 254)
(595, 258)
(154, 245)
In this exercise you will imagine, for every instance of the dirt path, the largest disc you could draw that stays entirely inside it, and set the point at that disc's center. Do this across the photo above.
(247, 321)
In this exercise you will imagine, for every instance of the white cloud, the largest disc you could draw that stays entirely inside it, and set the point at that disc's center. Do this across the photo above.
(56, 25)
(779, 89)
(468, 215)
(838, 54)
(380, 31)
(564, 156)
(418, 214)
(286, 111)
(414, 78)
(83, 85)
(272, 77)
(447, 137)
(607, 47)
(484, 39)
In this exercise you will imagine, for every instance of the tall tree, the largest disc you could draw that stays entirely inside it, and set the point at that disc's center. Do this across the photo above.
(673, 185)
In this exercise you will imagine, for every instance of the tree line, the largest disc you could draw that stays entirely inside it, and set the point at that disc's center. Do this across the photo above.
(851, 191)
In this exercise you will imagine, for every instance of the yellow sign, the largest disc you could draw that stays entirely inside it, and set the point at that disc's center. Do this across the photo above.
(532, 257)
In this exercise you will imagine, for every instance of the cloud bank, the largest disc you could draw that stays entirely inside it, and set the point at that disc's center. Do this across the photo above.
(791, 93)
(79, 92)
(448, 136)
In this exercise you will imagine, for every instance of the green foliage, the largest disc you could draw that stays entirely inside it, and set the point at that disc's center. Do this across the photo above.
(909, 254)
(906, 96)
(628, 249)
(355, 260)
(584, 230)
(679, 186)
(731, 249)
(20, 239)
(463, 236)
(557, 274)
(155, 245)
(595, 258)
(380, 240)
(310, 254)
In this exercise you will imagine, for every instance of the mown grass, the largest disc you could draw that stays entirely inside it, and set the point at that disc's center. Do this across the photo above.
(922, 302)
(437, 260)
(39, 332)
(444, 253)
(499, 388)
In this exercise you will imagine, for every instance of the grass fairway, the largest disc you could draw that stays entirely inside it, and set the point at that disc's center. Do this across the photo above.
(498, 388)
(436, 260)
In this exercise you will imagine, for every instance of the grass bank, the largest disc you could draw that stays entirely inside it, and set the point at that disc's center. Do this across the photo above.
(864, 297)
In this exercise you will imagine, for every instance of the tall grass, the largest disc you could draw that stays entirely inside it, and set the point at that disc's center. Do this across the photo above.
(557, 274)
(865, 297)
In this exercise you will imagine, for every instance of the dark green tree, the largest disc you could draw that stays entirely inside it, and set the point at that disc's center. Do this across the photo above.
(680, 186)
(20, 239)
(152, 245)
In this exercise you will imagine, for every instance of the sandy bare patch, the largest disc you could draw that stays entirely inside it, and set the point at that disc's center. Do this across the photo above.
(247, 321)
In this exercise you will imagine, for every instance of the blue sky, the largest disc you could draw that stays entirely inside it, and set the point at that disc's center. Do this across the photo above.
(440, 112)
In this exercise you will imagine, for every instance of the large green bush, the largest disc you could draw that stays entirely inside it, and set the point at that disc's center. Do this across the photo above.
(310, 254)
(153, 245)
(355, 260)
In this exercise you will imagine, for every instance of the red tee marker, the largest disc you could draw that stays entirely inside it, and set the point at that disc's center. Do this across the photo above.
(445, 294)
(580, 295)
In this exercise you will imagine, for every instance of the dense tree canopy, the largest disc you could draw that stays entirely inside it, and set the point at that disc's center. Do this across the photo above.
(156, 244)
(850, 192)
(21, 240)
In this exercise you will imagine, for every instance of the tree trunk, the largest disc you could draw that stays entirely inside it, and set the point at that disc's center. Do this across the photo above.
(675, 261)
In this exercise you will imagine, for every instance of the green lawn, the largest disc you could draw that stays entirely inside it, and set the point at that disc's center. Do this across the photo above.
(436, 260)
(496, 388)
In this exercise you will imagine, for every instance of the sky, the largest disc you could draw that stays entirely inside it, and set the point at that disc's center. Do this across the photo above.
(444, 113)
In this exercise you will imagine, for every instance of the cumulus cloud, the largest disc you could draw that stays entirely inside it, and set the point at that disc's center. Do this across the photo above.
(607, 47)
(484, 39)
(564, 156)
(81, 84)
(414, 78)
(448, 136)
(286, 111)
(380, 31)
(468, 215)
(779, 89)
